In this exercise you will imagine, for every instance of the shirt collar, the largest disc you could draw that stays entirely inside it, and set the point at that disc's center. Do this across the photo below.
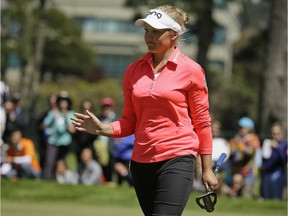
(172, 59)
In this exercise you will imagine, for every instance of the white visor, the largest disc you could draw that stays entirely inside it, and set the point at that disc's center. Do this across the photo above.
(159, 20)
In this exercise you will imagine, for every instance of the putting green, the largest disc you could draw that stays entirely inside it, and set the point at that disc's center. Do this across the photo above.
(9, 208)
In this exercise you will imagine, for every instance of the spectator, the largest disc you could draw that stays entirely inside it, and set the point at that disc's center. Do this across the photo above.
(64, 175)
(244, 159)
(104, 145)
(274, 164)
(4, 89)
(17, 117)
(43, 131)
(8, 108)
(84, 140)
(90, 170)
(59, 128)
(21, 157)
(122, 154)
(237, 188)
(220, 144)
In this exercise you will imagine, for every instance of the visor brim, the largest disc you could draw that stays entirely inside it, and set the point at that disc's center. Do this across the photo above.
(152, 22)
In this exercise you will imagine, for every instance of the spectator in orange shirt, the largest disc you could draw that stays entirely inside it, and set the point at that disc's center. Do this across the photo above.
(22, 157)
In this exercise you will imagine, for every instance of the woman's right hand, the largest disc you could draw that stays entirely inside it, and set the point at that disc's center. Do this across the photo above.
(87, 122)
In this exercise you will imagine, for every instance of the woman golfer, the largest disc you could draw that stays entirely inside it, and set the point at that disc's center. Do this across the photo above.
(166, 107)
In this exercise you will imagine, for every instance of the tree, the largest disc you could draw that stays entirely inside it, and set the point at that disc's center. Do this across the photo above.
(65, 52)
(205, 30)
(274, 94)
(43, 39)
(19, 24)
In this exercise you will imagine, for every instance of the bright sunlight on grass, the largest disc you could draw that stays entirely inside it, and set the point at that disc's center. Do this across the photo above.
(36, 197)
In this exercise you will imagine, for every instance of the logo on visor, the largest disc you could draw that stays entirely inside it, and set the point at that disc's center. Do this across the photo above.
(158, 15)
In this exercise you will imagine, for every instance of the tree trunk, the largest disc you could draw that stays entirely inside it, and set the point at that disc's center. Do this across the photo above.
(38, 53)
(26, 53)
(31, 71)
(274, 95)
(205, 30)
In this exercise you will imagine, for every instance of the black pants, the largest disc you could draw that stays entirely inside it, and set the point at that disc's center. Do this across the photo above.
(53, 154)
(163, 188)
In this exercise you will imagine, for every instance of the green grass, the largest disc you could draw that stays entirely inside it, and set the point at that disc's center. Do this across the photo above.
(34, 198)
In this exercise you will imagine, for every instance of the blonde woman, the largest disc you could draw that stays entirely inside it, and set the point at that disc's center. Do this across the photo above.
(166, 107)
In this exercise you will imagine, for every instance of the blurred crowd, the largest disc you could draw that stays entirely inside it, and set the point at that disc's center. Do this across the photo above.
(253, 167)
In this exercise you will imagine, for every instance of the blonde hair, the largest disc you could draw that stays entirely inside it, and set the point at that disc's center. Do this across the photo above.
(176, 14)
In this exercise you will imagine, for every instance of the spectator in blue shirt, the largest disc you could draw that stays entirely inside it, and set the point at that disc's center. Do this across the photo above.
(122, 154)
(274, 153)
(59, 129)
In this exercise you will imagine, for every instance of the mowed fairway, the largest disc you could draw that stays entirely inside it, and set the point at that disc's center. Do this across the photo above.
(34, 198)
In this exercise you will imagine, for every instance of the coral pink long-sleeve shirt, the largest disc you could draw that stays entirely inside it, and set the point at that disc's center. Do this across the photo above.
(169, 113)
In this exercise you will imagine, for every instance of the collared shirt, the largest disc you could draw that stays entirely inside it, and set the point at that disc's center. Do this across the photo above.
(168, 113)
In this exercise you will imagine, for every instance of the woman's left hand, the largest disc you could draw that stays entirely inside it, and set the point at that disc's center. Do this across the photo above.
(86, 122)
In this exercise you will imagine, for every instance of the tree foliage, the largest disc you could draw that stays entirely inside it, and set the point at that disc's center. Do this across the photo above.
(15, 19)
(274, 97)
(44, 39)
(65, 52)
